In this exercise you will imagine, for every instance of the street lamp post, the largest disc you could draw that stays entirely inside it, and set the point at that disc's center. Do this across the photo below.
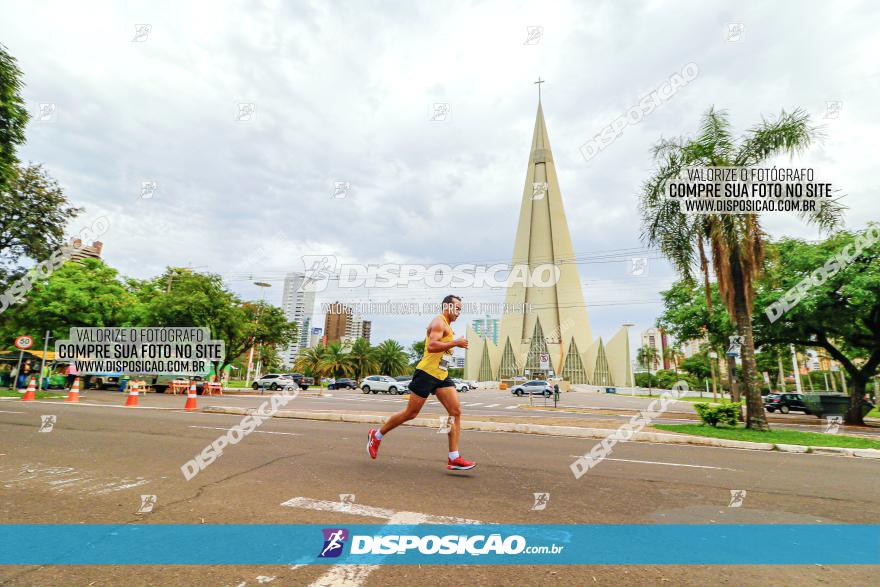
(247, 382)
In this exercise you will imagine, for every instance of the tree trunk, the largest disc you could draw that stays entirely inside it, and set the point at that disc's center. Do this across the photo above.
(854, 412)
(756, 419)
(731, 378)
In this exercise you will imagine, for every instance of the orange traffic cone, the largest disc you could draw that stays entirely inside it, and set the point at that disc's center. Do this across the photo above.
(73, 394)
(132, 400)
(31, 393)
(191, 398)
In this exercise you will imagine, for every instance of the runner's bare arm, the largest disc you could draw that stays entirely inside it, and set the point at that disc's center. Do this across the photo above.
(435, 333)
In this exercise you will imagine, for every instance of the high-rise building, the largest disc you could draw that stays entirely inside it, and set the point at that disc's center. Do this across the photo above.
(546, 331)
(336, 322)
(81, 251)
(487, 328)
(689, 348)
(342, 324)
(656, 339)
(298, 306)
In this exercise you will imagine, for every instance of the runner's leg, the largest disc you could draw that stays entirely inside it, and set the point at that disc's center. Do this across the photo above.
(449, 398)
(411, 410)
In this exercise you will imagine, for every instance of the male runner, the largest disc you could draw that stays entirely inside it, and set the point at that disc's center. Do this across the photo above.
(432, 376)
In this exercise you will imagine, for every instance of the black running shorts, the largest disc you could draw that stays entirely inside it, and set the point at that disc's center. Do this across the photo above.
(424, 384)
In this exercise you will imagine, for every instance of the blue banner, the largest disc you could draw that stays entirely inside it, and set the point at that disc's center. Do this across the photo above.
(270, 544)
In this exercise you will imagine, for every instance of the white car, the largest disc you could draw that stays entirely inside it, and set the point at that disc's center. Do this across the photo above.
(461, 386)
(383, 383)
(273, 381)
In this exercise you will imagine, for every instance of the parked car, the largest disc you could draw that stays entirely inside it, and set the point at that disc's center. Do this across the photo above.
(535, 387)
(785, 402)
(461, 386)
(160, 383)
(404, 378)
(343, 383)
(383, 383)
(273, 381)
(301, 380)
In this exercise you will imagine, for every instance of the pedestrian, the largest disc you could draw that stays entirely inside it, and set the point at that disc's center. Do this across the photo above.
(556, 388)
(24, 373)
(71, 373)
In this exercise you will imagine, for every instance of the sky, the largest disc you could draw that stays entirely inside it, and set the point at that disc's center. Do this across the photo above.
(245, 116)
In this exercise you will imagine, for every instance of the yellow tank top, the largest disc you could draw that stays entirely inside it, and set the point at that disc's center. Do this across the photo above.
(437, 364)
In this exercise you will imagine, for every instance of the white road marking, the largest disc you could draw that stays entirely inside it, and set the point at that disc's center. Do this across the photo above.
(661, 463)
(511, 407)
(356, 575)
(493, 405)
(260, 431)
(472, 405)
(11, 412)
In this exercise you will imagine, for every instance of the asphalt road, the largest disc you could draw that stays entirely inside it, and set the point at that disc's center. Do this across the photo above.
(97, 461)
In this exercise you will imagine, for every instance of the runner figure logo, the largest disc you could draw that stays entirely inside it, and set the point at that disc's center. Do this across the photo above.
(347, 499)
(47, 423)
(147, 503)
(833, 424)
(445, 425)
(736, 497)
(541, 500)
(334, 541)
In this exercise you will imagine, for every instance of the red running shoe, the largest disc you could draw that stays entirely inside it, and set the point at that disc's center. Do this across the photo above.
(372, 443)
(460, 464)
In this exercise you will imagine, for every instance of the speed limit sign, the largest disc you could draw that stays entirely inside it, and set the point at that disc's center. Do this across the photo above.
(24, 342)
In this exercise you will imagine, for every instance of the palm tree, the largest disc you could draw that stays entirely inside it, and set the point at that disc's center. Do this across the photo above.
(391, 358)
(335, 360)
(673, 355)
(647, 357)
(735, 241)
(309, 361)
(362, 358)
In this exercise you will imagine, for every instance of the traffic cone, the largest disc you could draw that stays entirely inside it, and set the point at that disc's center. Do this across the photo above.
(132, 399)
(191, 398)
(31, 393)
(73, 394)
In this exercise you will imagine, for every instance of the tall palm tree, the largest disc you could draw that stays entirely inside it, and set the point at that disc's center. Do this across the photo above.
(391, 358)
(335, 360)
(362, 358)
(735, 241)
(647, 357)
(673, 355)
(309, 361)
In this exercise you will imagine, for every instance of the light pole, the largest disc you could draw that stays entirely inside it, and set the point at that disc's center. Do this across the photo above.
(247, 382)
(797, 378)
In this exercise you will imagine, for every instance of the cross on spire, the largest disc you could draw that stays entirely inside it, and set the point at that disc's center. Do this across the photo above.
(539, 82)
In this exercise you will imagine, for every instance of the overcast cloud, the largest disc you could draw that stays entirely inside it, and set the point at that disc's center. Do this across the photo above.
(343, 92)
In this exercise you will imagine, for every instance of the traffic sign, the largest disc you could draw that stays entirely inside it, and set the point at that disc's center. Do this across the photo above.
(24, 342)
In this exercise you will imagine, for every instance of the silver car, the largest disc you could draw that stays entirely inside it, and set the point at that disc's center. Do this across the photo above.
(535, 387)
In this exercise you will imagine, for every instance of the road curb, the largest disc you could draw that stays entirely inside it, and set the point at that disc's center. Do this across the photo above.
(571, 431)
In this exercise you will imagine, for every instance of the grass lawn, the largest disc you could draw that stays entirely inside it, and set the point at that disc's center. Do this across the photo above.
(40, 394)
(773, 437)
(875, 413)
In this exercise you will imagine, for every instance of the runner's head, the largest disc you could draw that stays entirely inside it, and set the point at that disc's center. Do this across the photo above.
(451, 307)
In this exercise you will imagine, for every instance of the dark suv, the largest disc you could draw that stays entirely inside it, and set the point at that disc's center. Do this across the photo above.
(301, 380)
(786, 402)
(343, 383)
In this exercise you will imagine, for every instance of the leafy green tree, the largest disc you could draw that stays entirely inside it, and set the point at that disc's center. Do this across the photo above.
(391, 358)
(181, 297)
(735, 241)
(416, 351)
(838, 311)
(697, 365)
(33, 214)
(81, 294)
(13, 118)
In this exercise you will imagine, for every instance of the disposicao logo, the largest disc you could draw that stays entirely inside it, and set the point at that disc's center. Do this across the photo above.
(334, 541)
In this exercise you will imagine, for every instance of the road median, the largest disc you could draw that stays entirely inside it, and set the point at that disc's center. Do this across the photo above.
(550, 430)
